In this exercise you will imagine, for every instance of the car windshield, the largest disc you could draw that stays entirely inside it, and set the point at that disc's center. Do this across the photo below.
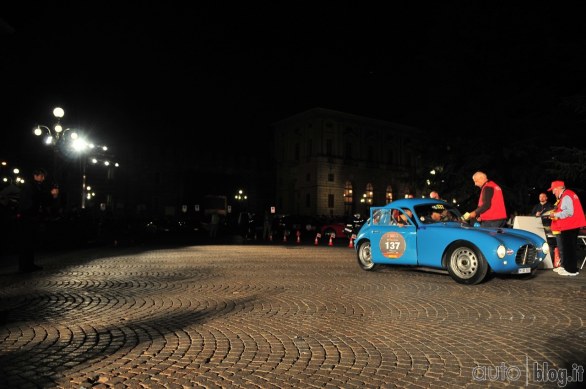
(436, 213)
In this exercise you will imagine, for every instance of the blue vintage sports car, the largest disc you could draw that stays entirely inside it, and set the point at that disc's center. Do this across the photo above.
(429, 233)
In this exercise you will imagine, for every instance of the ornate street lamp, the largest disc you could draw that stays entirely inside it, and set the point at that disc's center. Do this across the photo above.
(55, 137)
(57, 132)
(241, 201)
(241, 196)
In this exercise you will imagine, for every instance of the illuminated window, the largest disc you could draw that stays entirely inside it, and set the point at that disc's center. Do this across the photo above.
(369, 194)
(348, 198)
(389, 195)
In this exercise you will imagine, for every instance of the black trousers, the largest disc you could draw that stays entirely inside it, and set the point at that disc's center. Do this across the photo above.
(569, 247)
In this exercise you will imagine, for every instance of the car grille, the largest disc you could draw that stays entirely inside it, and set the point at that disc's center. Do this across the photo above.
(526, 255)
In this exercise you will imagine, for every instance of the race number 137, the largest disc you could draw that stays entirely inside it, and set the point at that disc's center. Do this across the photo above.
(392, 245)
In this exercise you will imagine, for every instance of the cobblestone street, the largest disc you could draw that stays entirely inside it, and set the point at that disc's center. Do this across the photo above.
(280, 316)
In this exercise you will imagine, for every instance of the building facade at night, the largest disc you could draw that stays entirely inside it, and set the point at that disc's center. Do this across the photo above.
(337, 164)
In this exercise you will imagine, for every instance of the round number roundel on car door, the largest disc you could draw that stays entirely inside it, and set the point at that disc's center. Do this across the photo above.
(392, 245)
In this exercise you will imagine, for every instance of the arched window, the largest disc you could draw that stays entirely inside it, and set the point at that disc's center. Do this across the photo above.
(389, 195)
(369, 194)
(348, 197)
(366, 200)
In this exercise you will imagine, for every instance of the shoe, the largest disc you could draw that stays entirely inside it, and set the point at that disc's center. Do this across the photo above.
(557, 269)
(564, 272)
(30, 268)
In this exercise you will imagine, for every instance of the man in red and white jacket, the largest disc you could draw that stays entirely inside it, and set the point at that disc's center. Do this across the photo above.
(491, 211)
(568, 217)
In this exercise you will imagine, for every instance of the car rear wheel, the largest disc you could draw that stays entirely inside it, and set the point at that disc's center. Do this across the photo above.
(364, 255)
(466, 265)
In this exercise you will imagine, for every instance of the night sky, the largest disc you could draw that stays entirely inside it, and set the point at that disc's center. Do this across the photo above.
(167, 70)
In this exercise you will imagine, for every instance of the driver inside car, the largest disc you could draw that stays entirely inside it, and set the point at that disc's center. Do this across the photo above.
(434, 217)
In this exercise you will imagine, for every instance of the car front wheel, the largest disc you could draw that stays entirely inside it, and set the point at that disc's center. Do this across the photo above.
(466, 265)
(364, 255)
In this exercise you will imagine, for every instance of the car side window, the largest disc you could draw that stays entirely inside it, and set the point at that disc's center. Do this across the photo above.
(401, 217)
(380, 217)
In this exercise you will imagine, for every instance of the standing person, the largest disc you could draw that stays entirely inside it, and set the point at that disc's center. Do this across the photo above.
(568, 218)
(491, 211)
(542, 207)
(8, 210)
(267, 226)
(215, 225)
(558, 243)
(35, 199)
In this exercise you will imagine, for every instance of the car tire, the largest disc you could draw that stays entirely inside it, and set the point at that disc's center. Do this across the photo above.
(364, 255)
(466, 265)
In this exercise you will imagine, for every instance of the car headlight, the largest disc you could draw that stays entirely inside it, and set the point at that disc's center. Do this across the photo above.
(501, 251)
(545, 248)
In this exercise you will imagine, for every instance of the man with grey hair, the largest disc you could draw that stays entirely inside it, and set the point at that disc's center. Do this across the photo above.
(491, 211)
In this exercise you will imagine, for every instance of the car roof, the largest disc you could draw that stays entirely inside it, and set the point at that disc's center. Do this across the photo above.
(410, 203)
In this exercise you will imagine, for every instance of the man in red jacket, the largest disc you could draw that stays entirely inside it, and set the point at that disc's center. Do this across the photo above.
(491, 211)
(568, 218)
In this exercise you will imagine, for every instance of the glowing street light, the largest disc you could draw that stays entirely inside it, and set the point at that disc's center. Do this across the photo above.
(241, 196)
(10, 175)
(57, 132)
(83, 146)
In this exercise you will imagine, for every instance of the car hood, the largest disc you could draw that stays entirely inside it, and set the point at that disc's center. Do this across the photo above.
(509, 236)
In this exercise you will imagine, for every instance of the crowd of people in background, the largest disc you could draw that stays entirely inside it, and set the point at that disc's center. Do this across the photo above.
(35, 203)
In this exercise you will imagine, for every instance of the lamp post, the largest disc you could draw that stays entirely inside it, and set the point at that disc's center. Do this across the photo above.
(241, 196)
(55, 137)
(82, 146)
(56, 133)
(241, 200)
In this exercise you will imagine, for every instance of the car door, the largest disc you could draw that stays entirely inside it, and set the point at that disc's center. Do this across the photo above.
(393, 236)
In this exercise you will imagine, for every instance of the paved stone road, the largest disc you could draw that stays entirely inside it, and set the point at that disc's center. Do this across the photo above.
(276, 316)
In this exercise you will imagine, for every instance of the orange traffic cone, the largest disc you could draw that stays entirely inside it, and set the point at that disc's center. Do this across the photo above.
(317, 236)
(331, 240)
(284, 237)
(556, 258)
(351, 244)
(298, 236)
